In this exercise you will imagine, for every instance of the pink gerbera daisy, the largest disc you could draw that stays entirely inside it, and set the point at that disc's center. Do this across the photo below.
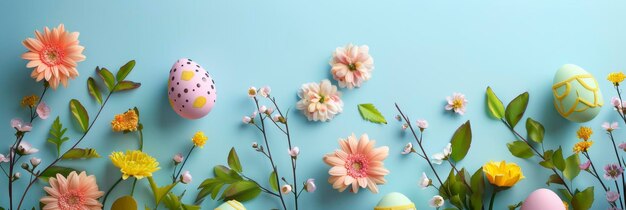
(357, 163)
(54, 55)
(77, 191)
(351, 65)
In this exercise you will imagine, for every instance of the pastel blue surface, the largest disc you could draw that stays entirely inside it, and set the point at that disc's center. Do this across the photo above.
(423, 52)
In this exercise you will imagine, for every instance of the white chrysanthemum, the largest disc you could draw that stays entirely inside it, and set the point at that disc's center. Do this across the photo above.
(319, 101)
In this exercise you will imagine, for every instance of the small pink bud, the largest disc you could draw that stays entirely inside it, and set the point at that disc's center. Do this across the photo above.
(185, 178)
(178, 158)
(310, 185)
(293, 152)
(285, 189)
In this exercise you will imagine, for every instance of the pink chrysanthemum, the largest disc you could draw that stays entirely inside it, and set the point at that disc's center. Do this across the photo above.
(352, 65)
(357, 163)
(54, 55)
(77, 191)
(319, 101)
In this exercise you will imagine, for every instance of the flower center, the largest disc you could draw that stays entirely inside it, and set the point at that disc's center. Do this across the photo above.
(322, 99)
(51, 55)
(354, 66)
(457, 103)
(71, 200)
(357, 165)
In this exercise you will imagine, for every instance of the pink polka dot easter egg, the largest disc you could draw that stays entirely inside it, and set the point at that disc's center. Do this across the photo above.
(190, 89)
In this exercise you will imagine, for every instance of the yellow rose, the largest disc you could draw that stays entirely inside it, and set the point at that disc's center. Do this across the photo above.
(502, 174)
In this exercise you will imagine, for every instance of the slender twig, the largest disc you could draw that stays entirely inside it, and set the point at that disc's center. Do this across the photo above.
(104, 200)
(593, 168)
(259, 185)
(73, 146)
(269, 152)
(183, 165)
(536, 153)
(419, 143)
(621, 165)
(459, 172)
(293, 160)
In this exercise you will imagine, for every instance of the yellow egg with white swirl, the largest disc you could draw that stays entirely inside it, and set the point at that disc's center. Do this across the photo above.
(577, 96)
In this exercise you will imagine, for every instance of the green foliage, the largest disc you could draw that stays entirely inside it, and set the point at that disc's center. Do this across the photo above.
(370, 113)
(273, 181)
(478, 189)
(52, 171)
(126, 85)
(520, 149)
(582, 200)
(159, 192)
(236, 187)
(571, 167)
(461, 141)
(124, 203)
(93, 90)
(557, 159)
(555, 179)
(547, 162)
(80, 114)
(496, 108)
(515, 206)
(172, 202)
(233, 160)
(125, 70)
(515, 110)
(57, 132)
(79, 153)
(107, 77)
(535, 130)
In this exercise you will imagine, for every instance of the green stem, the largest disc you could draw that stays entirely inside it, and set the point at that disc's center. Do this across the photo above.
(140, 139)
(132, 191)
(104, 200)
(493, 198)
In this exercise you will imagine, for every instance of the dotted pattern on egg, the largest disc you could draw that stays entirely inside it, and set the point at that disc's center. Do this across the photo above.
(191, 89)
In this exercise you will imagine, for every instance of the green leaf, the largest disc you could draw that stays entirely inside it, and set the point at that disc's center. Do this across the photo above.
(535, 130)
(52, 171)
(571, 167)
(159, 192)
(126, 85)
(124, 203)
(566, 194)
(583, 200)
(555, 179)
(233, 160)
(456, 201)
(172, 202)
(496, 108)
(93, 90)
(478, 189)
(79, 153)
(370, 113)
(80, 114)
(57, 132)
(107, 77)
(125, 70)
(520, 149)
(241, 191)
(557, 159)
(515, 110)
(274, 181)
(461, 141)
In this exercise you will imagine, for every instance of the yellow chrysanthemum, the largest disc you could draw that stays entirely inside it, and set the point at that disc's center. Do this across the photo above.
(616, 77)
(199, 139)
(134, 163)
(126, 121)
(584, 133)
(503, 174)
(582, 146)
(29, 101)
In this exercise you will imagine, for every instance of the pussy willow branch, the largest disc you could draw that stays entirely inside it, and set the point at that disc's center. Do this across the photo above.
(73, 146)
(537, 153)
(419, 143)
(269, 152)
(293, 160)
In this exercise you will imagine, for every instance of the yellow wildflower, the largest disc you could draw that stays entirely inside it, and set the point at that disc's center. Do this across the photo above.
(616, 77)
(582, 146)
(199, 139)
(126, 121)
(584, 133)
(134, 163)
(29, 101)
(503, 174)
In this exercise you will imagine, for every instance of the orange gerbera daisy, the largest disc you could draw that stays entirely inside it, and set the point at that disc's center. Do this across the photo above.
(54, 55)
(357, 163)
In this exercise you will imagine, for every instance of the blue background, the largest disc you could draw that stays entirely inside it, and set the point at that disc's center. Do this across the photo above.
(423, 51)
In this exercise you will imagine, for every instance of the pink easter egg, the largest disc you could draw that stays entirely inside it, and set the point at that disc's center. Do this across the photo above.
(543, 199)
(191, 89)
